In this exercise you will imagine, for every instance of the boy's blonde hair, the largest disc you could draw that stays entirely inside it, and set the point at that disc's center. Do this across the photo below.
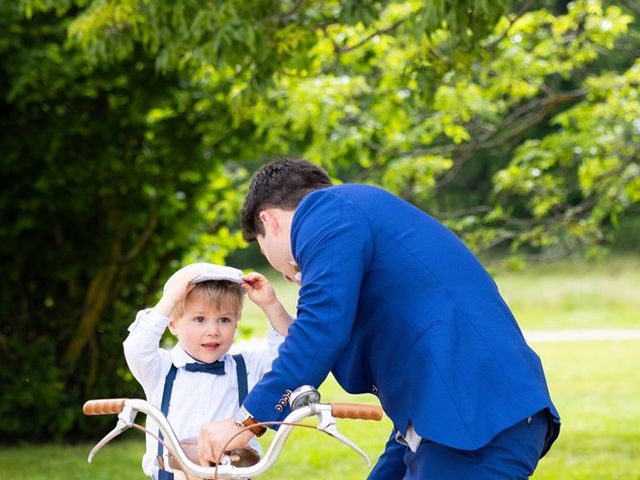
(220, 293)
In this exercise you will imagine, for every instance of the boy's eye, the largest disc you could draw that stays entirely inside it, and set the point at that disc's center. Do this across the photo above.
(200, 319)
(224, 320)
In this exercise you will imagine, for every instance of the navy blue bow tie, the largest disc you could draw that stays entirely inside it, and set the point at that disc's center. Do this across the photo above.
(217, 368)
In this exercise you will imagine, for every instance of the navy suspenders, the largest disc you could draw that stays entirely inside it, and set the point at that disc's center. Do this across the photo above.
(241, 372)
(166, 398)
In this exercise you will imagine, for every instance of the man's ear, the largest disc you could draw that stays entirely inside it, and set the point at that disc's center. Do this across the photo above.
(269, 221)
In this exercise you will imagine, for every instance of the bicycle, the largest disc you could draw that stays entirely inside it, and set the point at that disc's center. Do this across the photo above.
(241, 464)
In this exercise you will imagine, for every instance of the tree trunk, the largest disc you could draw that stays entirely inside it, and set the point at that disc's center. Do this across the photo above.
(99, 292)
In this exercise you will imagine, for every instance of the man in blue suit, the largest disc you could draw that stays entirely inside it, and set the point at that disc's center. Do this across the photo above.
(394, 304)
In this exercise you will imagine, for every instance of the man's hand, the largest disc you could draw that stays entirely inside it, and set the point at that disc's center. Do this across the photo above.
(213, 438)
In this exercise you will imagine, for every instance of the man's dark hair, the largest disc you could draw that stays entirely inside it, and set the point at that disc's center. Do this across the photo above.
(281, 184)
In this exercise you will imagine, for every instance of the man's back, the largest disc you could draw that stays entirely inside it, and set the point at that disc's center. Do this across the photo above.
(464, 371)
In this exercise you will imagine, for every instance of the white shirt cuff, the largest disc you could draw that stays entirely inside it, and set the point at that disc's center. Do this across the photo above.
(274, 339)
(146, 319)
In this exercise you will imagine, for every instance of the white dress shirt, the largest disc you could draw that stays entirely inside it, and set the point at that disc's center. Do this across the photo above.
(197, 397)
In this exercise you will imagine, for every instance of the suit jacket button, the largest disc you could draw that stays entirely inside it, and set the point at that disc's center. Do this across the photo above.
(374, 389)
(278, 408)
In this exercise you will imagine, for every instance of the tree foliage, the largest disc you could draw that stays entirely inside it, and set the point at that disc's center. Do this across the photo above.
(530, 140)
(130, 127)
(107, 176)
(428, 99)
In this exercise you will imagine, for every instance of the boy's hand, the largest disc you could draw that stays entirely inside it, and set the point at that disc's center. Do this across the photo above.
(262, 294)
(259, 290)
(177, 287)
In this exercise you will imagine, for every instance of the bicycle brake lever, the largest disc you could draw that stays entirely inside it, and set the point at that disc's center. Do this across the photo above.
(327, 425)
(125, 421)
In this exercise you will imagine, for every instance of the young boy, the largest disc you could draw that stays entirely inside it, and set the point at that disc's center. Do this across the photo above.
(198, 380)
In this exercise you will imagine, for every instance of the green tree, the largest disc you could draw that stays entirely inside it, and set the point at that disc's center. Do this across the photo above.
(125, 125)
(107, 173)
(130, 127)
(530, 140)
(437, 101)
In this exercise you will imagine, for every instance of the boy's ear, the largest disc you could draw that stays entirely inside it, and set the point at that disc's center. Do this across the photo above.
(172, 326)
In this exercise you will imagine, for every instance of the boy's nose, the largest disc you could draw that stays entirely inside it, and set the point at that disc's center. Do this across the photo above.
(213, 330)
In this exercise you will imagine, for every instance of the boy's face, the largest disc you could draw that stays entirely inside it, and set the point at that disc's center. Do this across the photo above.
(205, 332)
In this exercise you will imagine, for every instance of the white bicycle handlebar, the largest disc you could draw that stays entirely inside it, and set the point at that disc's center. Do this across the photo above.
(127, 409)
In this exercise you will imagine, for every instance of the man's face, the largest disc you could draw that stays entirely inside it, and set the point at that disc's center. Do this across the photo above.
(277, 250)
(205, 332)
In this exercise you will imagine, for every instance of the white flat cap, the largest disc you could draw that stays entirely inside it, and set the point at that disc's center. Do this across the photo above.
(217, 272)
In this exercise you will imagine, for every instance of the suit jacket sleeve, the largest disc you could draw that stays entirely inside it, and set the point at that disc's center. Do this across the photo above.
(331, 241)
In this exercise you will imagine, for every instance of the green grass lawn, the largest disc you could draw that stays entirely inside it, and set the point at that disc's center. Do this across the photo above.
(571, 294)
(596, 388)
(595, 385)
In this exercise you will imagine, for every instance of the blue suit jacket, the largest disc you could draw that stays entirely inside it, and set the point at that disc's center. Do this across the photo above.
(394, 304)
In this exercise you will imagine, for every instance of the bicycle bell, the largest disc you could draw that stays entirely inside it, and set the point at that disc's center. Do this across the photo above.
(304, 396)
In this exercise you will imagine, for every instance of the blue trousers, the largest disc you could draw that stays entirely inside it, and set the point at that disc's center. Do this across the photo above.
(512, 454)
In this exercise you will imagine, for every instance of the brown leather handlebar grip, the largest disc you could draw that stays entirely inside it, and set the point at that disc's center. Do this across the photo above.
(107, 406)
(361, 411)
